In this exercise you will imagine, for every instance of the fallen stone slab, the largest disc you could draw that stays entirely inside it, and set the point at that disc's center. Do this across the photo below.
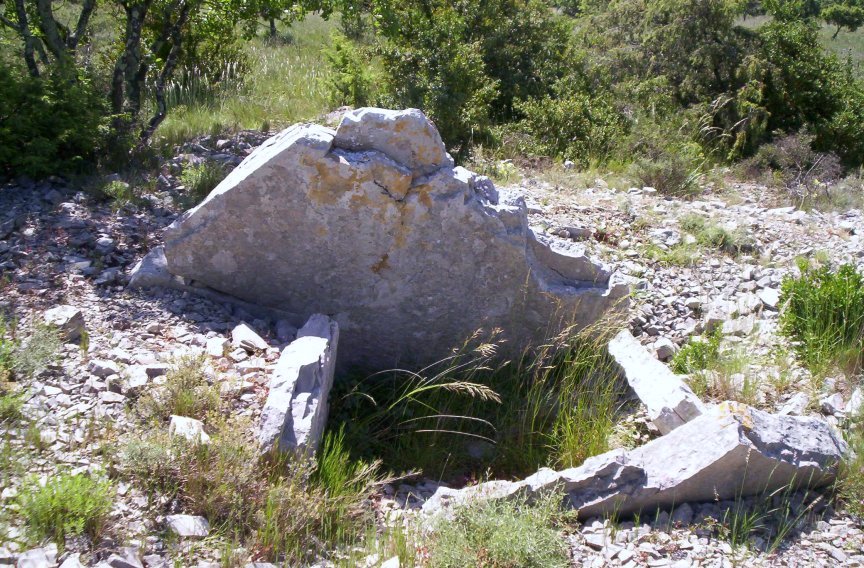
(295, 414)
(374, 226)
(732, 451)
(670, 402)
(68, 320)
(188, 526)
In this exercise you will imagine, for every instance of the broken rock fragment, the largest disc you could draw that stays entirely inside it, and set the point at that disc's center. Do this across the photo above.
(374, 226)
(732, 451)
(68, 320)
(295, 414)
(669, 400)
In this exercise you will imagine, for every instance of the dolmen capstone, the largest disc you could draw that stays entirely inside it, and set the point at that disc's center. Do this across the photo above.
(372, 225)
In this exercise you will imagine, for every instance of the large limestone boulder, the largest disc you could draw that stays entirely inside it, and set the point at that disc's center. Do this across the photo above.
(728, 452)
(372, 225)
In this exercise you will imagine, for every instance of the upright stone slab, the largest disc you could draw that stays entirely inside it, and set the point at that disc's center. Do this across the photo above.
(670, 402)
(374, 226)
(295, 414)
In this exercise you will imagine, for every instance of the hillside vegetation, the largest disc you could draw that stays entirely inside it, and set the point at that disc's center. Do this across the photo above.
(660, 92)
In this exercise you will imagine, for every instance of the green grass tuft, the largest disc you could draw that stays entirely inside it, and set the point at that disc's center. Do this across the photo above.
(501, 534)
(67, 505)
(823, 313)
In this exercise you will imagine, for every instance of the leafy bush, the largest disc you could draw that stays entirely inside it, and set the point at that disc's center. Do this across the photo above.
(792, 164)
(8, 346)
(580, 127)
(200, 179)
(500, 533)
(50, 126)
(33, 355)
(823, 313)
(67, 505)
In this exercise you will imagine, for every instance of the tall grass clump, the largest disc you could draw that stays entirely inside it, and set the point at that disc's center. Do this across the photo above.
(698, 355)
(67, 505)
(186, 392)
(200, 179)
(555, 405)
(285, 508)
(501, 533)
(823, 313)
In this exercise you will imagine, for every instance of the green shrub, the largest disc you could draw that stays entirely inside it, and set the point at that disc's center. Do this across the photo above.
(8, 346)
(39, 350)
(10, 405)
(200, 179)
(67, 505)
(500, 533)
(54, 125)
(697, 355)
(823, 313)
(351, 80)
(580, 127)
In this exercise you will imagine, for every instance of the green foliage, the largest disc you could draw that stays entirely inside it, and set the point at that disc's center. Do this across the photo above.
(823, 313)
(55, 125)
(709, 234)
(697, 355)
(200, 179)
(553, 406)
(10, 405)
(500, 533)
(578, 126)
(851, 478)
(848, 14)
(468, 64)
(351, 82)
(26, 359)
(67, 505)
(186, 392)
(8, 346)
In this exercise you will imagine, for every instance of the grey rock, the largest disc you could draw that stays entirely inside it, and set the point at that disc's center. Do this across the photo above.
(665, 349)
(853, 407)
(216, 346)
(73, 561)
(730, 452)
(152, 271)
(796, 405)
(245, 337)
(188, 525)
(406, 137)
(770, 297)
(188, 428)
(36, 558)
(126, 557)
(670, 402)
(374, 226)
(832, 404)
(69, 320)
(295, 413)
(103, 368)
(285, 332)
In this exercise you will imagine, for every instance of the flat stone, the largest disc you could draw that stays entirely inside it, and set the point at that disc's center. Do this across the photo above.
(188, 525)
(770, 297)
(295, 414)
(68, 320)
(216, 346)
(670, 402)
(796, 405)
(103, 368)
(372, 224)
(188, 428)
(245, 337)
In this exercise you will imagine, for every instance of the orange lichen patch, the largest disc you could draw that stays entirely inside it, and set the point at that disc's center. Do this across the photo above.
(381, 264)
(330, 184)
(321, 231)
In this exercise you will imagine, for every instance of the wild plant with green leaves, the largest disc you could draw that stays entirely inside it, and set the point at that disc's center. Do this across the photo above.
(823, 314)
(186, 392)
(501, 533)
(66, 505)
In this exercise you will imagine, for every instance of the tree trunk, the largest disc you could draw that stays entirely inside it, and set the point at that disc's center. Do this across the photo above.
(81, 26)
(170, 64)
(126, 70)
(51, 32)
(29, 40)
(272, 28)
